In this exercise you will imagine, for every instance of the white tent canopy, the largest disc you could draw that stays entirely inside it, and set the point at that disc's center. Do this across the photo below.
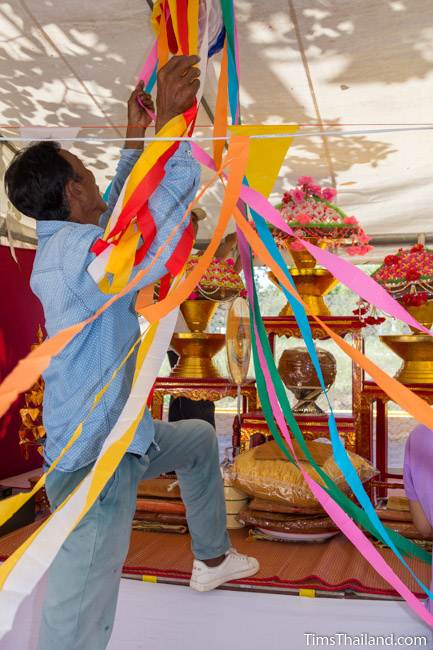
(325, 64)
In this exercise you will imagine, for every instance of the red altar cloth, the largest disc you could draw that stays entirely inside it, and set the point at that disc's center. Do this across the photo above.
(20, 316)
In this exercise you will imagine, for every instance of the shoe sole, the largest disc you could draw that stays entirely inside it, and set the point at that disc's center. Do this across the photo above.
(209, 586)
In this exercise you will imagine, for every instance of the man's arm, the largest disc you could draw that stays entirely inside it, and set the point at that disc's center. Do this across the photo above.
(139, 119)
(177, 87)
(167, 205)
(178, 83)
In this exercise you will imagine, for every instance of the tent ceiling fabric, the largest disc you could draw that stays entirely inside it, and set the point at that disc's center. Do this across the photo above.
(322, 62)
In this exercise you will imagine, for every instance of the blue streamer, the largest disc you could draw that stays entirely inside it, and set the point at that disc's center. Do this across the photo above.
(340, 454)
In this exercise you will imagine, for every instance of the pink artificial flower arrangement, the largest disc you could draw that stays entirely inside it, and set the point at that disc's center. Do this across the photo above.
(220, 281)
(309, 210)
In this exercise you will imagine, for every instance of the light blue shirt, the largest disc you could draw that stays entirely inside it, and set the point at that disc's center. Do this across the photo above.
(69, 295)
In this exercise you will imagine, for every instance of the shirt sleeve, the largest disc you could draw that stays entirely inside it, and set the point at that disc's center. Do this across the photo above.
(167, 205)
(407, 473)
(127, 160)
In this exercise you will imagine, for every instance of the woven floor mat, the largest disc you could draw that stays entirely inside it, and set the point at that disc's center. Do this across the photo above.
(334, 565)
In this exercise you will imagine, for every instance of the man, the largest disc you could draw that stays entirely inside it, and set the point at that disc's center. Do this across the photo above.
(54, 187)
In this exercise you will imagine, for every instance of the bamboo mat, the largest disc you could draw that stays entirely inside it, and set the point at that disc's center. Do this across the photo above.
(331, 566)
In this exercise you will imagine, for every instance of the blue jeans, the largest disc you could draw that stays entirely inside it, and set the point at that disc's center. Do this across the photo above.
(83, 581)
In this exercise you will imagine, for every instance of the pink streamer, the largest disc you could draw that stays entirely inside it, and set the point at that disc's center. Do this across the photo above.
(147, 69)
(145, 75)
(337, 514)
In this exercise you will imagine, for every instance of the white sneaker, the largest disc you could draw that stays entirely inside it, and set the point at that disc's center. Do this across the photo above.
(234, 567)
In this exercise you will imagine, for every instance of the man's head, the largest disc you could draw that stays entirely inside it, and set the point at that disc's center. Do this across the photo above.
(48, 183)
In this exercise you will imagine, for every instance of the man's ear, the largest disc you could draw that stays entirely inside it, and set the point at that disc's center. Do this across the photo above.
(74, 192)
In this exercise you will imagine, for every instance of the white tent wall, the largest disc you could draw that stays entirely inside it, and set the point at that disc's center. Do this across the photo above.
(323, 63)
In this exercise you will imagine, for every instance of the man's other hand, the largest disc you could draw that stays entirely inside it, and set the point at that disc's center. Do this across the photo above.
(139, 104)
(178, 84)
(139, 119)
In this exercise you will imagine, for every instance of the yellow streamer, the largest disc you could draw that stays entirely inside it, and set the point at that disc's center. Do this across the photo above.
(193, 15)
(121, 261)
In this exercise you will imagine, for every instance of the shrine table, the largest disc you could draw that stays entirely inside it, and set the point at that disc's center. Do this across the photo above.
(254, 429)
(201, 389)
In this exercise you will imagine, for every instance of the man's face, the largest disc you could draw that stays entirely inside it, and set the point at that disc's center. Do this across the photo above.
(85, 190)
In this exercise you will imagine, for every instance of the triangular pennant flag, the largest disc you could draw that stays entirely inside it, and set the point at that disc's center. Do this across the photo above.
(266, 155)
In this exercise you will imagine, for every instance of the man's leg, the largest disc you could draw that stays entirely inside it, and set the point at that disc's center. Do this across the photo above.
(190, 448)
(83, 581)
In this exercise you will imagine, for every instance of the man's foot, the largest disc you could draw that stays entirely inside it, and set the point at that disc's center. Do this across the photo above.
(234, 567)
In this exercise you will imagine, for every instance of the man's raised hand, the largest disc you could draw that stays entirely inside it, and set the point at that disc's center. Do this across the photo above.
(178, 84)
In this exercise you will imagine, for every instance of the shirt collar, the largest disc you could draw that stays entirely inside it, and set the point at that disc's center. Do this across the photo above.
(46, 228)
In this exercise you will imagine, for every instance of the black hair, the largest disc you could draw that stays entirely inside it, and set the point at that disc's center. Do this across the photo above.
(35, 182)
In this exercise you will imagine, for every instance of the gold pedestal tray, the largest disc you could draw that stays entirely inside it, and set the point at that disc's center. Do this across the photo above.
(423, 314)
(198, 313)
(196, 351)
(416, 350)
(303, 258)
(312, 285)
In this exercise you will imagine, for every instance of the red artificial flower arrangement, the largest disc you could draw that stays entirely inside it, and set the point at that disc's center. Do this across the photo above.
(309, 211)
(220, 281)
(408, 275)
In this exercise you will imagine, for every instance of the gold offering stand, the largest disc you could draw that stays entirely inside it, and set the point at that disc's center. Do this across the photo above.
(415, 350)
(312, 283)
(372, 395)
(197, 348)
(202, 389)
(254, 429)
(195, 376)
(416, 372)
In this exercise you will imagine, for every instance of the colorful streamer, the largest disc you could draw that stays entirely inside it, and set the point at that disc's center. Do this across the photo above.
(270, 401)
(340, 455)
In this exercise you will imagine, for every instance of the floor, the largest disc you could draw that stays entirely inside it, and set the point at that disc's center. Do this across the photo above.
(163, 617)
